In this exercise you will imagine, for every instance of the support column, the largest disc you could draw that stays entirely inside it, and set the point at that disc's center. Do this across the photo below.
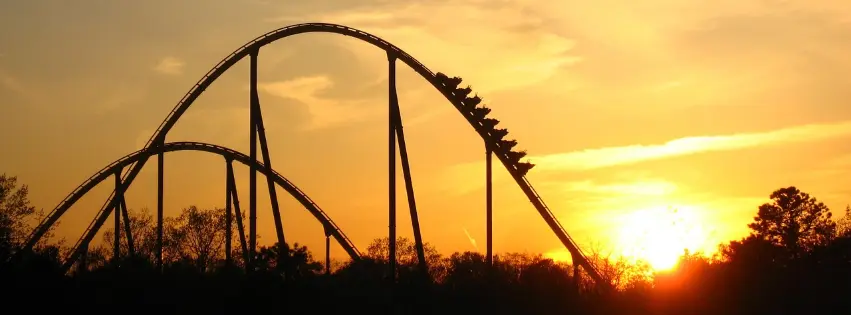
(252, 175)
(131, 251)
(327, 251)
(82, 264)
(159, 249)
(406, 171)
(116, 242)
(489, 202)
(392, 172)
(228, 214)
(240, 228)
(267, 163)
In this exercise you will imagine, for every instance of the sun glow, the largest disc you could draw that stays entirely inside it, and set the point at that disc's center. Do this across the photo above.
(661, 236)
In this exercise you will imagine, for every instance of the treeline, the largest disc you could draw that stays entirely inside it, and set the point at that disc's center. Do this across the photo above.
(797, 260)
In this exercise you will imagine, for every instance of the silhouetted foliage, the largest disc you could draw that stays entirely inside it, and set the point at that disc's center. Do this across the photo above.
(843, 225)
(797, 260)
(143, 226)
(795, 220)
(197, 236)
(17, 215)
(296, 264)
(406, 255)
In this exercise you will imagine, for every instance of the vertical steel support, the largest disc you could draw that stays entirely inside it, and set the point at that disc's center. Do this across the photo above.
(392, 171)
(327, 250)
(127, 228)
(160, 166)
(267, 163)
(252, 175)
(239, 226)
(406, 172)
(116, 242)
(228, 214)
(489, 202)
(82, 264)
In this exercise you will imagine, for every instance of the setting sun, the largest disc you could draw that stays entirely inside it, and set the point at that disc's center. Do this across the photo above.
(660, 236)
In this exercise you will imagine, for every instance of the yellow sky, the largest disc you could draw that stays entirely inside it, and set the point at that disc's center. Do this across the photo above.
(629, 109)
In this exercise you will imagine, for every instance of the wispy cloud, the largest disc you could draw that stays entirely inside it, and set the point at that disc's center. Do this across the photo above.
(325, 112)
(510, 50)
(626, 155)
(215, 125)
(11, 83)
(170, 66)
(472, 240)
(120, 96)
(645, 188)
(612, 156)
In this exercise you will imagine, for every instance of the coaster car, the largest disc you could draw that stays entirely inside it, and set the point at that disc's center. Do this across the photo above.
(524, 167)
(489, 123)
(463, 92)
(471, 102)
(498, 134)
(479, 113)
(506, 145)
(515, 156)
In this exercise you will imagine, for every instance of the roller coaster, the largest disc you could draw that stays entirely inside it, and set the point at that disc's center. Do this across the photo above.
(125, 169)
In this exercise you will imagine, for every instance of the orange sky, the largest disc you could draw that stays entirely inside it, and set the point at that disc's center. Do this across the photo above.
(630, 110)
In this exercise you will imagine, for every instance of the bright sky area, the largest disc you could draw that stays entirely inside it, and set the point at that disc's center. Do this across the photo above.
(655, 125)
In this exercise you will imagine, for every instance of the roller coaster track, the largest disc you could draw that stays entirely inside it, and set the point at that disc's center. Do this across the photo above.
(228, 154)
(158, 138)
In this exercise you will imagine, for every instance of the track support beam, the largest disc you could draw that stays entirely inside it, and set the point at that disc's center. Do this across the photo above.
(489, 202)
(159, 249)
(116, 240)
(127, 228)
(327, 250)
(228, 214)
(82, 265)
(240, 228)
(267, 162)
(252, 175)
(391, 237)
(406, 172)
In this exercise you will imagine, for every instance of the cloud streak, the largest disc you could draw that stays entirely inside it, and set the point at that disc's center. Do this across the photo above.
(325, 112)
(170, 66)
(614, 156)
(11, 83)
(644, 188)
(593, 159)
(510, 50)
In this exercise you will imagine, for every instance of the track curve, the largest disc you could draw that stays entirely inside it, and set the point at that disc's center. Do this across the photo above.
(228, 154)
(486, 132)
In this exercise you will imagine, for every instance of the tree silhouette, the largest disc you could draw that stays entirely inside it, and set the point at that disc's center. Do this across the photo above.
(297, 263)
(195, 236)
(17, 215)
(843, 225)
(467, 270)
(754, 275)
(621, 272)
(143, 227)
(795, 220)
(406, 255)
